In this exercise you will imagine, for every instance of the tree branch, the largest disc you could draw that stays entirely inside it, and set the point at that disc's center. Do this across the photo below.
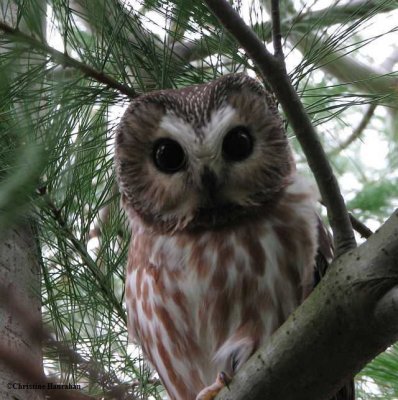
(30, 374)
(56, 214)
(276, 29)
(66, 60)
(111, 384)
(26, 370)
(345, 68)
(339, 64)
(274, 72)
(360, 227)
(357, 132)
(321, 18)
(350, 317)
(340, 13)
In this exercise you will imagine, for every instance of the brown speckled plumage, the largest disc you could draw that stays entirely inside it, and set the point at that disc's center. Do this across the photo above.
(221, 252)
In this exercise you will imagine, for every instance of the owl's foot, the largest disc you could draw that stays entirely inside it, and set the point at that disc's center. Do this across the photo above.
(210, 392)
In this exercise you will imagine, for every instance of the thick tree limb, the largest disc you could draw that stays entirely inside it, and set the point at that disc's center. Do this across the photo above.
(351, 316)
(274, 71)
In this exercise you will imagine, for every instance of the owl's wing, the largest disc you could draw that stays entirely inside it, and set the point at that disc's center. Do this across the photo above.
(323, 259)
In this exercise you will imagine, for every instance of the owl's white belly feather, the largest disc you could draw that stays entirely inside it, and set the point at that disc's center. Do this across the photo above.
(201, 303)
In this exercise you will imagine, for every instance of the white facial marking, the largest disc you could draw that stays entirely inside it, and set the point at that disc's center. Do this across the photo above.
(202, 148)
(177, 128)
(221, 121)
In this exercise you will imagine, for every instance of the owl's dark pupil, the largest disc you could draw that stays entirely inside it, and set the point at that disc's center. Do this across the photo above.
(237, 144)
(168, 155)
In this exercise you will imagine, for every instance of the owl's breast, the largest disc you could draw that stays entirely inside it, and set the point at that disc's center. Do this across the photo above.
(250, 280)
(194, 300)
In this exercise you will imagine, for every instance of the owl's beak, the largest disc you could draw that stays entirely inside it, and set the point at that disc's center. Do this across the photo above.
(210, 183)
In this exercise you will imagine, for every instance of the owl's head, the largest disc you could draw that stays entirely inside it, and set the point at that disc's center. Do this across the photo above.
(202, 157)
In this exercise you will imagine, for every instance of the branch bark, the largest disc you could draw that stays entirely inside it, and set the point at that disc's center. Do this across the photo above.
(350, 317)
(32, 373)
(20, 275)
(274, 71)
(276, 29)
(360, 227)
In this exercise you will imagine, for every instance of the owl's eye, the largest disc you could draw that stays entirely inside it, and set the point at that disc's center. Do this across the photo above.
(237, 144)
(168, 155)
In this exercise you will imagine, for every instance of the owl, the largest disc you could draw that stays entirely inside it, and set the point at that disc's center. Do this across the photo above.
(224, 231)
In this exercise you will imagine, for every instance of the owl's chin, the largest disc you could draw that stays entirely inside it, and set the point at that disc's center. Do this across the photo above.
(210, 216)
(230, 215)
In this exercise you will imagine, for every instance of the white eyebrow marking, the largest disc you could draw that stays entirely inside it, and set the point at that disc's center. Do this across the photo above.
(177, 128)
(204, 146)
(221, 120)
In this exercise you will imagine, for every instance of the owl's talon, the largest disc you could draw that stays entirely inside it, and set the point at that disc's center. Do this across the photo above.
(224, 378)
(210, 392)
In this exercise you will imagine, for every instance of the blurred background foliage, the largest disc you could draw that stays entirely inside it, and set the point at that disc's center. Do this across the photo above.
(67, 68)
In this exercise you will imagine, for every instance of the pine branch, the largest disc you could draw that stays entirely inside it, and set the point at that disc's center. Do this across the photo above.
(193, 50)
(340, 64)
(104, 215)
(38, 334)
(30, 374)
(357, 132)
(34, 330)
(347, 68)
(274, 71)
(66, 60)
(337, 14)
(80, 248)
(387, 65)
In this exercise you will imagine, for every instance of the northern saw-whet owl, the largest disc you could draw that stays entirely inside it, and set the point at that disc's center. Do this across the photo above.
(224, 232)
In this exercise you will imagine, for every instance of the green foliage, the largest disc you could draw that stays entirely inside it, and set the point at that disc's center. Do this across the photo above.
(57, 126)
(375, 197)
(382, 371)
